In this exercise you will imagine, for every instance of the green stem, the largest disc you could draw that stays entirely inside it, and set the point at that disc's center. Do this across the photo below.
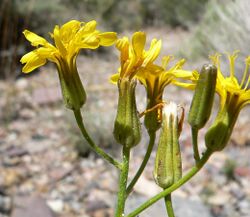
(195, 144)
(97, 149)
(123, 182)
(169, 190)
(143, 164)
(169, 207)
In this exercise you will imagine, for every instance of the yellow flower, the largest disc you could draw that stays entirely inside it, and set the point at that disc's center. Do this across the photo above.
(228, 87)
(69, 39)
(233, 97)
(155, 78)
(133, 57)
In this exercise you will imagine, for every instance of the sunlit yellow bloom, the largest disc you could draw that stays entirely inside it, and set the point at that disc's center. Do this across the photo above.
(133, 57)
(233, 97)
(68, 39)
(155, 78)
(229, 87)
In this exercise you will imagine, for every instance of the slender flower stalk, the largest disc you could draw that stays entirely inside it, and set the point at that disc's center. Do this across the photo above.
(143, 163)
(98, 150)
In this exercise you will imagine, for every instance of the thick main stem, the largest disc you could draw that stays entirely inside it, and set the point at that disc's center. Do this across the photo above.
(169, 190)
(123, 182)
(143, 164)
(98, 150)
(169, 207)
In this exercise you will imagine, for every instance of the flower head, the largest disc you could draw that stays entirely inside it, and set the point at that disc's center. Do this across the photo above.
(133, 57)
(233, 97)
(155, 78)
(69, 39)
(230, 87)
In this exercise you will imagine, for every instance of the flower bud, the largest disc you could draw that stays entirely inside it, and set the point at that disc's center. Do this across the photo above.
(203, 98)
(127, 127)
(74, 95)
(219, 133)
(168, 168)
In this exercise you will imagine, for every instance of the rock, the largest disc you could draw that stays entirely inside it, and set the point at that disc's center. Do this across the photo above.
(16, 151)
(146, 187)
(34, 206)
(220, 198)
(244, 207)
(10, 162)
(21, 84)
(105, 199)
(27, 114)
(92, 206)
(103, 213)
(11, 177)
(56, 205)
(45, 96)
(99, 208)
(58, 174)
(182, 207)
(236, 191)
(5, 204)
(242, 171)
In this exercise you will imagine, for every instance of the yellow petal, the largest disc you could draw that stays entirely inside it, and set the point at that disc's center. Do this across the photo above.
(166, 60)
(122, 43)
(153, 53)
(91, 42)
(33, 61)
(107, 38)
(185, 85)
(246, 97)
(114, 78)
(34, 38)
(58, 42)
(90, 26)
(138, 42)
(69, 29)
(123, 46)
(192, 75)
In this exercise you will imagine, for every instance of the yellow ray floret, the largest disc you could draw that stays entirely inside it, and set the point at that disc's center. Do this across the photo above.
(133, 57)
(68, 40)
(155, 78)
(229, 87)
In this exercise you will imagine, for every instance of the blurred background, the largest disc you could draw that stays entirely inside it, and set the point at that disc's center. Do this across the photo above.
(44, 162)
